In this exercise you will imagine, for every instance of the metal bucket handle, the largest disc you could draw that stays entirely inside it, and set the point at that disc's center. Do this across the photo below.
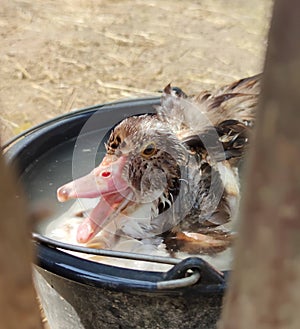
(184, 273)
(189, 270)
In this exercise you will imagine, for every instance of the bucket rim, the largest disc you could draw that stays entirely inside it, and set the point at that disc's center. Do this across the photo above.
(85, 110)
(190, 275)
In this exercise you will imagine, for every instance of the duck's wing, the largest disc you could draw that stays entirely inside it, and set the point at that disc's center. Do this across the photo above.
(236, 101)
(226, 113)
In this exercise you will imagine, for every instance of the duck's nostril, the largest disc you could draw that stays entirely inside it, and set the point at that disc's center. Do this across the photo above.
(63, 194)
(105, 174)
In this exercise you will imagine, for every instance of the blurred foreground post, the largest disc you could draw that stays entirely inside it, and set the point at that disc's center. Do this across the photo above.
(18, 304)
(265, 285)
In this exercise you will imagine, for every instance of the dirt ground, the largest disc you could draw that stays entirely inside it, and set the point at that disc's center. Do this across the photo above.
(56, 56)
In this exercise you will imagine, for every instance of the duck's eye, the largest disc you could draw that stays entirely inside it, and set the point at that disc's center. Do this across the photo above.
(149, 150)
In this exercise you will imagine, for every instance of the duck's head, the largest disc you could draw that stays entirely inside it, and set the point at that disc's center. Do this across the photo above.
(142, 169)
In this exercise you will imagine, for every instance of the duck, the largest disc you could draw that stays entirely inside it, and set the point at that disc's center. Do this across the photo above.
(171, 178)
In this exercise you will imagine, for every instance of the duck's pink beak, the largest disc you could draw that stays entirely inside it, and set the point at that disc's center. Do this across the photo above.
(105, 181)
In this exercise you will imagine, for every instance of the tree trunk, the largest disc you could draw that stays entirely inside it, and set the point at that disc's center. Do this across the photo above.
(264, 291)
(18, 304)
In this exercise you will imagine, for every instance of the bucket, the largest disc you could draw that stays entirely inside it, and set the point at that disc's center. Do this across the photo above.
(82, 294)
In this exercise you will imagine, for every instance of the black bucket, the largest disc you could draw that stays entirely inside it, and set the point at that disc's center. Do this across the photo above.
(78, 293)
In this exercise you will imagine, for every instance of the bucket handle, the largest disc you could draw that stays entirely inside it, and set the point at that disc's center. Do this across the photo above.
(190, 280)
(186, 272)
(190, 271)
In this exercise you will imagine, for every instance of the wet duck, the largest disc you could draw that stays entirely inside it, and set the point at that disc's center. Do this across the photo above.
(171, 178)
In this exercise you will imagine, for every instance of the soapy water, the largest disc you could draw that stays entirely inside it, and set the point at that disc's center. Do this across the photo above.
(54, 168)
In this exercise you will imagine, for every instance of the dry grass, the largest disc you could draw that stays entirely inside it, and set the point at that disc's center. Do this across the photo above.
(57, 56)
